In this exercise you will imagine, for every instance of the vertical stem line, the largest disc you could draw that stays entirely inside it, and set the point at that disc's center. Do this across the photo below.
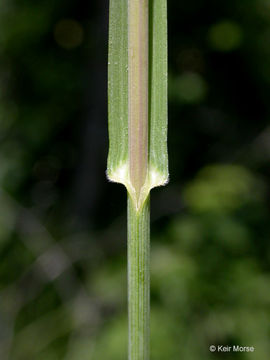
(138, 218)
(138, 14)
(139, 280)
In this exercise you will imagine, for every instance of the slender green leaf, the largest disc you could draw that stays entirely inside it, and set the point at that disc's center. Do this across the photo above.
(138, 139)
(118, 169)
(137, 129)
(158, 113)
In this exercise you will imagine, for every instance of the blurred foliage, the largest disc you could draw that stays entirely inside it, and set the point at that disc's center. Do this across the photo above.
(62, 225)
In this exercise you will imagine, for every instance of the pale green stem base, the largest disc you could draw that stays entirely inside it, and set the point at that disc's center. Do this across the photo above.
(139, 281)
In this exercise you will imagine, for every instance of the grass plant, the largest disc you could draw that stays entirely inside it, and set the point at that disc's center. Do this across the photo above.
(137, 107)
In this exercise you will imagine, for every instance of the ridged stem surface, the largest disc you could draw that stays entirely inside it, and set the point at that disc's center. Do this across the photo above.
(139, 280)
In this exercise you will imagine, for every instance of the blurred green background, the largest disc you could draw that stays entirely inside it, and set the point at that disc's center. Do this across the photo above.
(63, 226)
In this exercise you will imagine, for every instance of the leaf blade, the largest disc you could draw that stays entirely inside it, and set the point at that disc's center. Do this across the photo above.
(158, 82)
(117, 163)
(122, 134)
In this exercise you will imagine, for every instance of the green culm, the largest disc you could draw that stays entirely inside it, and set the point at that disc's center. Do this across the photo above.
(138, 159)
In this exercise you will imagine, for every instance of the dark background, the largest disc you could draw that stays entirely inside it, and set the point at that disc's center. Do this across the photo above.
(63, 225)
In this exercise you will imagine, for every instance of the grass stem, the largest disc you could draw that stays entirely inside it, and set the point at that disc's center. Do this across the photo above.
(138, 159)
(139, 280)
